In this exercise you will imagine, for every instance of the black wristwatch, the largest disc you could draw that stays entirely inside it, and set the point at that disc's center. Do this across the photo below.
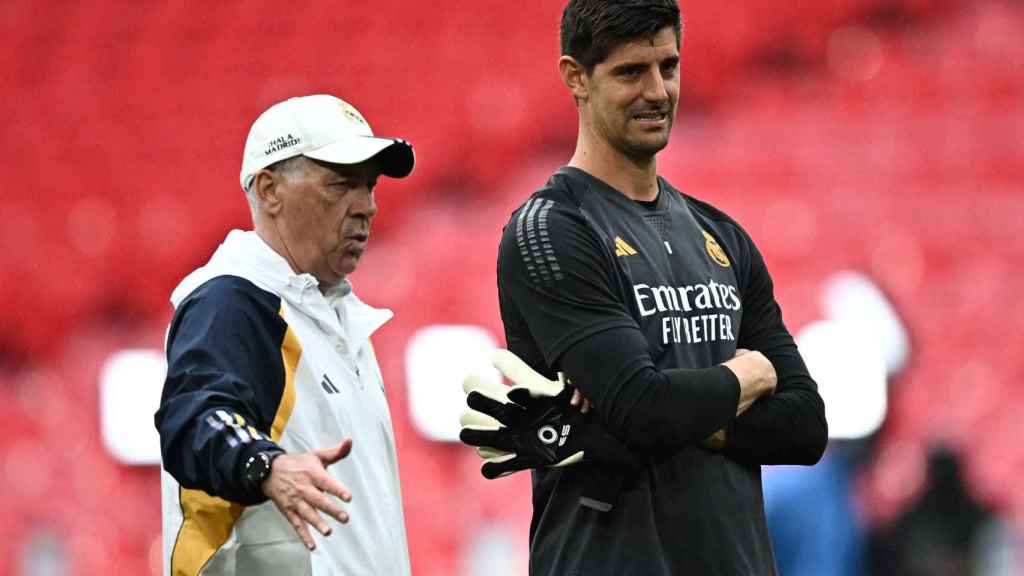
(257, 468)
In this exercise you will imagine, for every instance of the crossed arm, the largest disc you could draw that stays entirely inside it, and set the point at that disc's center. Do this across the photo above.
(763, 404)
(774, 416)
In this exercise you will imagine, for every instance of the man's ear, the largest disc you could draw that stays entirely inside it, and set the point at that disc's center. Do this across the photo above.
(266, 188)
(574, 77)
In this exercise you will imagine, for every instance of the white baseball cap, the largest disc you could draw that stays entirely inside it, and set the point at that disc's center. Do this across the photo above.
(324, 128)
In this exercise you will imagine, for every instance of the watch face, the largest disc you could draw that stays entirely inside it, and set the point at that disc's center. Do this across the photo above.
(257, 468)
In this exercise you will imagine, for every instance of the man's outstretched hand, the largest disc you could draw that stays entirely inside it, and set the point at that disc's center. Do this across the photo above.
(301, 488)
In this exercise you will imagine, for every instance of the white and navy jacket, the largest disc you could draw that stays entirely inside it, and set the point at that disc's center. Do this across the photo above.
(258, 357)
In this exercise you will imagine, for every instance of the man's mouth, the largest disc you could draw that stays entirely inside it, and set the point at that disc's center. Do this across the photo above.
(653, 116)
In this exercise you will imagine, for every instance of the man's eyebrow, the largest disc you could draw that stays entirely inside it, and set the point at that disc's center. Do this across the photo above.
(628, 67)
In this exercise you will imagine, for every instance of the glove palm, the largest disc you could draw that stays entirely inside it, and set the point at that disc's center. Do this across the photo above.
(531, 425)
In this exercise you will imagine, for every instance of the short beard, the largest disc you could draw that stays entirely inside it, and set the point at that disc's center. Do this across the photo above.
(642, 150)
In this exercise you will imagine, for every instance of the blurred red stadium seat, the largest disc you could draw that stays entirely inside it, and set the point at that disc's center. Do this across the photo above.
(124, 129)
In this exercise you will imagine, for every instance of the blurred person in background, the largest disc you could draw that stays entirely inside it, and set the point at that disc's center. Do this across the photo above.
(270, 367)
(660, 310)
(945, 531)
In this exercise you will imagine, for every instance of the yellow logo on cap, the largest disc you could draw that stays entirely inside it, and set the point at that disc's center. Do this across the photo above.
(351, 113)
(715, 251)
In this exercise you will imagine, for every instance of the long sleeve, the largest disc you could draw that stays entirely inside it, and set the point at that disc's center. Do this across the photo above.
(649, 408)
(787, 427)
(225, 386)
(556, 286)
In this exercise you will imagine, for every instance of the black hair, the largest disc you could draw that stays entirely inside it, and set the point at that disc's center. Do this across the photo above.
(591, 29)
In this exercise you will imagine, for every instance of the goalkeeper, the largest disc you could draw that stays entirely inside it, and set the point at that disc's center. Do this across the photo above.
(648, 301)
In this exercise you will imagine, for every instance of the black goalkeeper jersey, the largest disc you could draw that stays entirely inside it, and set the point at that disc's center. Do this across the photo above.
(579, 258)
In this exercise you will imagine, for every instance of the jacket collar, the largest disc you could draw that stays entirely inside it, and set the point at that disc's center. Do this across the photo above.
(246, 255)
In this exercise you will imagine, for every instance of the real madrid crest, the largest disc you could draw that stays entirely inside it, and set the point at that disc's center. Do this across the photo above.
(351, 113)
(715, 251)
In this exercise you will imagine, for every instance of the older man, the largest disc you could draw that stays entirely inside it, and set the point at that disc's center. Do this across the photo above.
(271, 372)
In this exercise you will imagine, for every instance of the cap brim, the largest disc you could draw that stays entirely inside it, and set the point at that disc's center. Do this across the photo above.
(395, 155)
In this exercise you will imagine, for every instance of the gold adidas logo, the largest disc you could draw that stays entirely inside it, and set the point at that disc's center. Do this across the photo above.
(622, 248)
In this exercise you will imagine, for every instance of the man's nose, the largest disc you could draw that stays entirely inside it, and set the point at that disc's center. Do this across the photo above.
(654, 86)
(365, 205)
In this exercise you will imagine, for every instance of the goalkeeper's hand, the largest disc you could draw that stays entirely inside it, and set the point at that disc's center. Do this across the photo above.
(531, 424)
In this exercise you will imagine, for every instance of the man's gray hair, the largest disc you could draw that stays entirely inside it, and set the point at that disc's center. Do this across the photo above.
(285, 168)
